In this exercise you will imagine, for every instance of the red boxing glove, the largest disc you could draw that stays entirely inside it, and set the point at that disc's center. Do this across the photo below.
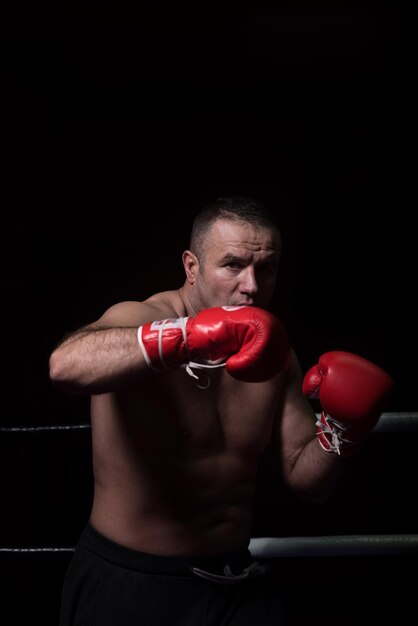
(250, 342)
(353, 392)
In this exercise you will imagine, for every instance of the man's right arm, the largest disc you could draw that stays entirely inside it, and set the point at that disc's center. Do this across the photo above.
(250, 342)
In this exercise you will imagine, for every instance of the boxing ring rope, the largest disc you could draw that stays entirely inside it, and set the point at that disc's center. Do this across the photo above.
(397, 422)
(284, 547)
(290, 547)
(328, 546)
(388, 422)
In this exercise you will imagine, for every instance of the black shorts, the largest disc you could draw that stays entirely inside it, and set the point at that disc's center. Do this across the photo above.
(109, 585)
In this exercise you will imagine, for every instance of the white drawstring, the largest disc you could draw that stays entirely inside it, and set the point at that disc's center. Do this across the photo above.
(255, 569)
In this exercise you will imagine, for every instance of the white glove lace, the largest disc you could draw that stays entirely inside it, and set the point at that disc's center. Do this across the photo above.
(334, 432)
(200, 366)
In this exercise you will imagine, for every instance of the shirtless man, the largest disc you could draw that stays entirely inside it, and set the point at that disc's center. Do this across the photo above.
(181, 412)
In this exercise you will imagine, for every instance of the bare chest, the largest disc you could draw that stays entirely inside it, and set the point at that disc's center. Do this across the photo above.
(226, 415)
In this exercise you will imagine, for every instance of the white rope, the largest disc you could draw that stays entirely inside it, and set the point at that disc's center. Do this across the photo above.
(38, 429)
(340, 545)
(280, 547)
(397, 422)
(35, 550)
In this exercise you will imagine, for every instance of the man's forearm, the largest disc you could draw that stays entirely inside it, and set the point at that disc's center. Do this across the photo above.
(315, 473)
(96, 360)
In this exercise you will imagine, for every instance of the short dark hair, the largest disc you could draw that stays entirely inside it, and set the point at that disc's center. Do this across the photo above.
(235, 208)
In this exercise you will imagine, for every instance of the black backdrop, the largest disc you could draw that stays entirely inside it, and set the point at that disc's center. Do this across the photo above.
(118, 122)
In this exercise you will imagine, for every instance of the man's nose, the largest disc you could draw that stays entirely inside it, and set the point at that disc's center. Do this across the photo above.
(249, 281)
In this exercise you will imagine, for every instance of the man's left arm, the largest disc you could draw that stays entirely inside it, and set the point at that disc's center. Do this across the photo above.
(352, 392)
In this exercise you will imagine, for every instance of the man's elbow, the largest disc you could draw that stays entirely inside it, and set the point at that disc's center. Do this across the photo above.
(56, 368)
(60, 374)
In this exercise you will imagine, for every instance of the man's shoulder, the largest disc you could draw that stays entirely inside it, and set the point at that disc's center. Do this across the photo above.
(158, 306)
(166, 304)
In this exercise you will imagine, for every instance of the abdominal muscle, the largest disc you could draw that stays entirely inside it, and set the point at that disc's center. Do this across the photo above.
(181, 481)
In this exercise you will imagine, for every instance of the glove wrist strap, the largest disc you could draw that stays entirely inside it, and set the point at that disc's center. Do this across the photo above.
(155, 340)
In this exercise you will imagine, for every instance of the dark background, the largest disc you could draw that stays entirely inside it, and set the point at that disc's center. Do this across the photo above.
(119, 120)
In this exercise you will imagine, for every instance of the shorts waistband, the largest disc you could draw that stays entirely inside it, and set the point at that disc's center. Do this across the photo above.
(224, 568)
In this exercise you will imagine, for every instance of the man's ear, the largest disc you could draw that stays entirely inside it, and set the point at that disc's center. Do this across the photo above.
(191, 266)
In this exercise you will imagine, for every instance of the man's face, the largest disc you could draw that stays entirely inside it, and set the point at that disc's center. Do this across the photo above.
(239, 266)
